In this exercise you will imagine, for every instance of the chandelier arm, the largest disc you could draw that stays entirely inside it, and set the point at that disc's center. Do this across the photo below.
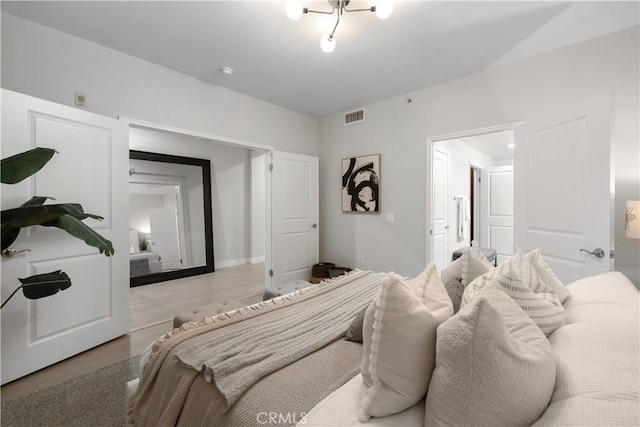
(369, 9)
(306, 10)
(335, 27)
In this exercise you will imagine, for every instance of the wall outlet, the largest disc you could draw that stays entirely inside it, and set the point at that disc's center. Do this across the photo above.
(81, 99)
(360, 259)
(390, 217)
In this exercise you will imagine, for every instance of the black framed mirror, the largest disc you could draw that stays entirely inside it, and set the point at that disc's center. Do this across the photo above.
(170, 217)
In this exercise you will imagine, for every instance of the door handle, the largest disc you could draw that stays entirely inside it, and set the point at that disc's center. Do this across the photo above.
(10, 252)
(446, 226)
(314, 225)
(597, 252)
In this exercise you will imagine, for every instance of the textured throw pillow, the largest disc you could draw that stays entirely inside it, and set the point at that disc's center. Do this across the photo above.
(457, 275)
(519, 280)
(428, 287)
(354, 332)
(399, 336)
(547, 275)
(493, 367)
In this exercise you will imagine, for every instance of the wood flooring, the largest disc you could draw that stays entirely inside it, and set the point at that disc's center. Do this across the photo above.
(152, 310)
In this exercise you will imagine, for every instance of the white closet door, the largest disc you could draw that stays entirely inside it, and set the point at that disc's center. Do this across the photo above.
(91, 169)
(295, 213)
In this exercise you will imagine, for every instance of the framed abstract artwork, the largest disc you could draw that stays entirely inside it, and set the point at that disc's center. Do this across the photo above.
(361, 184)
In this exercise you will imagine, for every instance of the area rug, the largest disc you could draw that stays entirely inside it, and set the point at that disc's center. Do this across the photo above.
(93, 399)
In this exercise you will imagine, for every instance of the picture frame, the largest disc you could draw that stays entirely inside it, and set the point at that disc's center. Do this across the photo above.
(361, 184)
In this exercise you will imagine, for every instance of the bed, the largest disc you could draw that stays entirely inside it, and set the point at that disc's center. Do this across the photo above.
(231, 369)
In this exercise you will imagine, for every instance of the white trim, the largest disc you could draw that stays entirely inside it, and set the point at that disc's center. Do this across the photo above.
(232, 263)
(221, 139)
(476, 132)
(256, 259)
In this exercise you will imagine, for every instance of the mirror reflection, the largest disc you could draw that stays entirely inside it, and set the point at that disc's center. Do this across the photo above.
(167, 219)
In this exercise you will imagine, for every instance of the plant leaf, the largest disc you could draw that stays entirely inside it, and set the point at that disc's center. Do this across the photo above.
(8, 235)
(44, 285)
(82, 231)
(29, 215)
(21, 166)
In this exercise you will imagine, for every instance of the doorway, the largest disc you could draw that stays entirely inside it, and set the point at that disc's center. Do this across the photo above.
(478, 192)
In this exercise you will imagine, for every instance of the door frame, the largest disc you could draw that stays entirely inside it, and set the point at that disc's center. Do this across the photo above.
(267, 149)
(431, 141)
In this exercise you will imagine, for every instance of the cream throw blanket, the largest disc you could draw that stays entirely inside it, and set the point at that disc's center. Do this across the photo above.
(235, 360)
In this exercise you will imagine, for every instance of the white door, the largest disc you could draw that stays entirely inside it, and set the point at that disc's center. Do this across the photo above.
(164, 237)
(91, 169)
(440, 207)
(295, 214)
(497, 210)
(563, 178)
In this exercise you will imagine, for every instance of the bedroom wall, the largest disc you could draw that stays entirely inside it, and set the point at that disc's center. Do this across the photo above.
(52, 65)
(398, 130)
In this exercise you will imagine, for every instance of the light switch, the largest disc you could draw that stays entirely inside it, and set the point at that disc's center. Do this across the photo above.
(390, 217)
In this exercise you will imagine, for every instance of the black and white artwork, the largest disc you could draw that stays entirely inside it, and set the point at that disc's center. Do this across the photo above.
(361, 184)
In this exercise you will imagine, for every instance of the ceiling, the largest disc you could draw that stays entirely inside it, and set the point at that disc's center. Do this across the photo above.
(279, 61)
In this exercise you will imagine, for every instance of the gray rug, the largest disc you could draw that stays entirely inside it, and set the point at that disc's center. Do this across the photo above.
(93, 399)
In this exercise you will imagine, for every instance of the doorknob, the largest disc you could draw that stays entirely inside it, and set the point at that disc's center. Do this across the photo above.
(314, 225)
(597, 252)
(10, 252)
(446, 226)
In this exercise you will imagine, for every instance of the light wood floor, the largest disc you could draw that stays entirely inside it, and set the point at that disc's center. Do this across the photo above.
(152, 310)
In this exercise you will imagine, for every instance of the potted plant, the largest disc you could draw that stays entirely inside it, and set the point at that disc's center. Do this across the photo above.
(65, 216)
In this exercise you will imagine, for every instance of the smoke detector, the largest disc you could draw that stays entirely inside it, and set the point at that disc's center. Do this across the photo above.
(226, 71)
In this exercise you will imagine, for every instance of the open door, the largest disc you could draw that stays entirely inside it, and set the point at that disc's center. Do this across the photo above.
(164, 237)
(90, 168)
(295, 216)
(563, 182)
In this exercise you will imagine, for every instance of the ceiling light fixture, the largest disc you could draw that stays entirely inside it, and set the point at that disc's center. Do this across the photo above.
(295, 10)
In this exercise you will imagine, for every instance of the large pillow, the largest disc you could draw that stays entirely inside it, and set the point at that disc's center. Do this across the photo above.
(428, 287)
(519, 280)
(399, 337)
(494, 367)
(547, 275)
(457, 275)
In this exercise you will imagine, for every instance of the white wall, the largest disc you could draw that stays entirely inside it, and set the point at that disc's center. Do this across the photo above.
(461, 155)
(49, 64)
(398, 130)
(139, 207)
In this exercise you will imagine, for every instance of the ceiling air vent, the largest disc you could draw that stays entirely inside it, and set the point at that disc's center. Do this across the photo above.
(354, 116)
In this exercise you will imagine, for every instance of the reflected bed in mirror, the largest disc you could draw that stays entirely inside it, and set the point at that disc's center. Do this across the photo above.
(170, 217)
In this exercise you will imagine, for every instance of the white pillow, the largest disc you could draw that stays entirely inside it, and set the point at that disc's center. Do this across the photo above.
(519, 280)
(493, 367)
(399, 337)
(547, 275)
(430, 290)
(457, 275)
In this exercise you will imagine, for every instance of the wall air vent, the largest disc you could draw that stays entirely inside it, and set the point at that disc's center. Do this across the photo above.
(354, 116)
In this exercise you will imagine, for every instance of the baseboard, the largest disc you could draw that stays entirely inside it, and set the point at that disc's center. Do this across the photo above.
(232, 263)
(257, 259)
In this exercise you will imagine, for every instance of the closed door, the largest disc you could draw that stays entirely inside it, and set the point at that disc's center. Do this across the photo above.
(295, 214)
(440, 214)
(563, 180)
(497, 210)
(91, 169)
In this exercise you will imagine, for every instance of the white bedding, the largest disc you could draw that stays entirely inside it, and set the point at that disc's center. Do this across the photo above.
(340, 409)
(598, 373)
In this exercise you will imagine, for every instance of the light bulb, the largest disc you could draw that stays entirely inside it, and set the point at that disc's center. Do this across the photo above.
(293, 9)
(327, 43)
(384, 8)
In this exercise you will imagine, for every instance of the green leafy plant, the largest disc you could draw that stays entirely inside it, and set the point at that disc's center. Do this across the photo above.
(65, 216)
